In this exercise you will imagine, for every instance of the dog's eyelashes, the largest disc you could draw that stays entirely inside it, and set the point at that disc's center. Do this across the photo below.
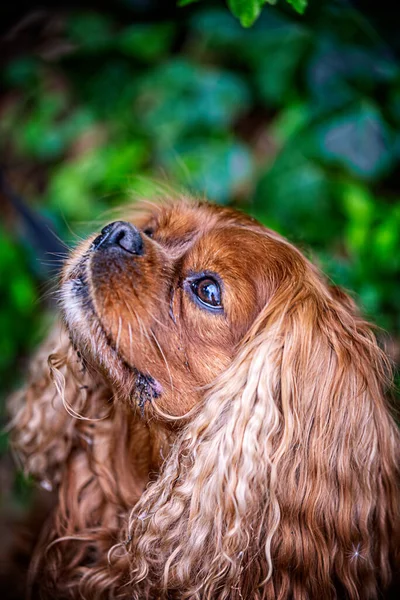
(207, 292)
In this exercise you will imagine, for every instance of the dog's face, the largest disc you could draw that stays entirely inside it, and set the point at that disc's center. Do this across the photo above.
(161, 303)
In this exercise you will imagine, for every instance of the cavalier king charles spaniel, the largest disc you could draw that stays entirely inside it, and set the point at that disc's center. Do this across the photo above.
(213, 416)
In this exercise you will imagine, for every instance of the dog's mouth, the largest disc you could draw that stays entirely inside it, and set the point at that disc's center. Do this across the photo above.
(94, 345)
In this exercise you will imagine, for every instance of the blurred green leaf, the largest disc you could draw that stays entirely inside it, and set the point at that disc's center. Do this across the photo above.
(386, 241)
(221, 32)
(103, 92)
(247, 11)
(179, 97)
(71, 188)
(276, 67)
(358, 203)
(370, 297)
(18, 310)
(91, 31)
(147, 42)
(186, 2)
(339, 73)
(299, 5)
(359, 140)
(290, 122)
(121, 162)
(22, 72)
(22, 293)
(289, 192)
(214, 168)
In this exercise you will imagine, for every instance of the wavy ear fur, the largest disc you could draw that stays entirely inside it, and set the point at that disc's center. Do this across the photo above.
(285, 485)
(43, 422)
(69, 435)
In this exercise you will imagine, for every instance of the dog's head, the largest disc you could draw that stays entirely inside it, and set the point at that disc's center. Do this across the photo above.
(162, 302)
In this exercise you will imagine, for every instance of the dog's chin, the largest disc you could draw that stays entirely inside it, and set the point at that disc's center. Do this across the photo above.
(97, 350)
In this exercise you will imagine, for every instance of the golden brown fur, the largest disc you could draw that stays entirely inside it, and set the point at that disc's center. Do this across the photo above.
(247, 453)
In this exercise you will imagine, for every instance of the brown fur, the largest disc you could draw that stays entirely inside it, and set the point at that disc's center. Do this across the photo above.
(266, 468)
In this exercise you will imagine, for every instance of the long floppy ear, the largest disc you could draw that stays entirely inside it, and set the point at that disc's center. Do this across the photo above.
(285, 485)
(45, 413)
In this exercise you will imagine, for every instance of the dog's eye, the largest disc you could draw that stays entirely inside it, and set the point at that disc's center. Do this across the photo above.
(149, 232)
(207, 291)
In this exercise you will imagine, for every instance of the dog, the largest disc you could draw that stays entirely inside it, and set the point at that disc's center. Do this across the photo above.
(213, 417)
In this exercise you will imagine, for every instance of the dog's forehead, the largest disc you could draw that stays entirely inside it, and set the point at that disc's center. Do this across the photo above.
(183, 219)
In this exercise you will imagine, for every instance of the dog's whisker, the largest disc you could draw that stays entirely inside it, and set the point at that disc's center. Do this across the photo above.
(135, 317)
(118, 334)
(164, 359)
(130, 342)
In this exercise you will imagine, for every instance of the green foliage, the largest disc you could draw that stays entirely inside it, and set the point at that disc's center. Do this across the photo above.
(248, 11)
(186, 2)
(294, 120)
(18, 312)
(299, 5)
(357, 139)
(216, 167)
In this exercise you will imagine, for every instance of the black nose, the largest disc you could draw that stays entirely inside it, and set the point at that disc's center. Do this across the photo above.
(120, 235)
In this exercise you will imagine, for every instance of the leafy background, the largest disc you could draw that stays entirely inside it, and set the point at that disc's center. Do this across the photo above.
(295, 120)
